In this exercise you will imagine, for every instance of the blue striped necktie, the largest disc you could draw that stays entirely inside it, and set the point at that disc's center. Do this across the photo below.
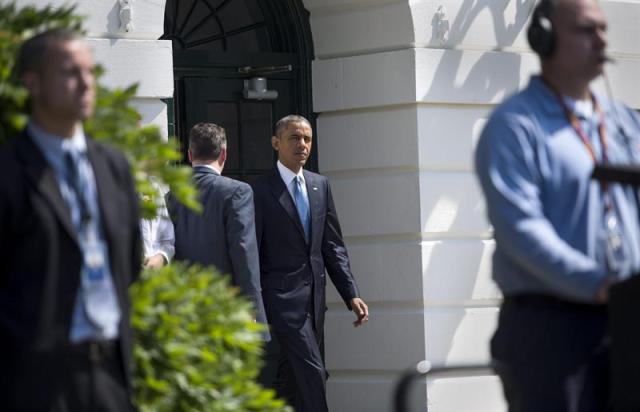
(98, 291)
(302, 204)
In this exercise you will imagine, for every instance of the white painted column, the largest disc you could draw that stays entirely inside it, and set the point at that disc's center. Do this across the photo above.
(398, 120)
(400, 109)
(365, 94)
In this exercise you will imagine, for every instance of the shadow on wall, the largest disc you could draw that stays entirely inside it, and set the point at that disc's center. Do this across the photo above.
(459, 335)
(493, 75)
(505, 33)
(113, 19)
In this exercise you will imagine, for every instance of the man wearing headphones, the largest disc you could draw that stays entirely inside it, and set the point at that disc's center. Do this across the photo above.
(561, 238)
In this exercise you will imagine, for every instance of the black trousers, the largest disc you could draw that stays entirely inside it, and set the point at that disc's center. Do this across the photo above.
(86, 377)
(301, 377)
(552, 355)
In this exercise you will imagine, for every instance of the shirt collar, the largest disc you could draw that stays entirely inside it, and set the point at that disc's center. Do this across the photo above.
(209, 167)
(53, 147)
(582, 108)
(550, 102)
(287, 175)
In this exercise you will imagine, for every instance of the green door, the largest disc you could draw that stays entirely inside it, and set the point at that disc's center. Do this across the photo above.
(248, 123)
(217, 45)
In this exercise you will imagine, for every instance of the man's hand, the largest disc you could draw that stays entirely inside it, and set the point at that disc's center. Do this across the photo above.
(602, 295)
(155, 262)
(361, 310)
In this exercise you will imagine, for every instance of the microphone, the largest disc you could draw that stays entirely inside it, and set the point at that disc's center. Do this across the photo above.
(607, 59)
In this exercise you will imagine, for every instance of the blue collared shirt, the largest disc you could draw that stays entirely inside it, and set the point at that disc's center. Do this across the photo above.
(547, 214)
(53, 149)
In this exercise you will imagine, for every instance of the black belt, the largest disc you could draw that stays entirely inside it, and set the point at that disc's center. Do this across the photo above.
(552, 302)
(97, 351)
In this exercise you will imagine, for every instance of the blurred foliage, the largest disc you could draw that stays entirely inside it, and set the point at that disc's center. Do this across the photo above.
(17, 24)
(115, 120)
(153, 160)
(199, 348)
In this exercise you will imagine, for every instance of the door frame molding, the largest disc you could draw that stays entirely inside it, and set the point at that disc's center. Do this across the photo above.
(291, 43)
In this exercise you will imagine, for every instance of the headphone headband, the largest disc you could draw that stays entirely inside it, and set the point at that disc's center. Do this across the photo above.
(541, 33)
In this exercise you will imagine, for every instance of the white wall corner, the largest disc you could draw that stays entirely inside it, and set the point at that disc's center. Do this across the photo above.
(366, 81)
(363, 27)
(146, 62)
(103, 17)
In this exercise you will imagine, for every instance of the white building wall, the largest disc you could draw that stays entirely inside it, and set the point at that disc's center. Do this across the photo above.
(399, 115)
(128, 58)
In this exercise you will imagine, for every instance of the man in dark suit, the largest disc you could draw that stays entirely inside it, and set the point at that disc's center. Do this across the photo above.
(223, 235)
(69, 245)
(299, 237)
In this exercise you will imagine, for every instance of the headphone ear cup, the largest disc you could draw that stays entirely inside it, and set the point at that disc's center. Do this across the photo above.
(541, 35)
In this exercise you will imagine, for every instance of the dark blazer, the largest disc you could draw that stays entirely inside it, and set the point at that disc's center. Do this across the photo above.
(223, 235)
(40, 263)
(292, 271)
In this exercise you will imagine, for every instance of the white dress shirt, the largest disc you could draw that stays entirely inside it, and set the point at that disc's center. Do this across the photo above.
(288, 178)
(157, 234)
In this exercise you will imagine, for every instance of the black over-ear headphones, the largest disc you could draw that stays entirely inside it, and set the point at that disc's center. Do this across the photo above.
(541, 34)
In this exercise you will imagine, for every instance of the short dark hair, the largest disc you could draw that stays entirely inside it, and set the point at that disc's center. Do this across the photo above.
(285, 121)
(206, 141)
(34, 51)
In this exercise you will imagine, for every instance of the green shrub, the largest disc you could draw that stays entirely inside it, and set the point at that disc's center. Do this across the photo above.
(199, 348)
(115, 120)
(152, 158)
(17, 24)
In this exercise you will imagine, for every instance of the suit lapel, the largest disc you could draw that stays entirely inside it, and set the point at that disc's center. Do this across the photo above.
(315, 203)
(283, 196)
(43, 177)
(106, 189)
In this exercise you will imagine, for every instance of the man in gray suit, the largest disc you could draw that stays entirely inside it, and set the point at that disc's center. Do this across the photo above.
(224, 234)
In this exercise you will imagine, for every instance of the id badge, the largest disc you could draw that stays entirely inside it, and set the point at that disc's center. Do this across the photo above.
(615, 249)
(94, 258)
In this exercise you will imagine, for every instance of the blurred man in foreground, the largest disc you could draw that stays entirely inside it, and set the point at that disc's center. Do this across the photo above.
(69, 244)
(561, 238)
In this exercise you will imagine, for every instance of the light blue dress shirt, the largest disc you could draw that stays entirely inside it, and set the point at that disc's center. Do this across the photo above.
(288, 178)
(546, 212)
(53, 149)
(297, 187)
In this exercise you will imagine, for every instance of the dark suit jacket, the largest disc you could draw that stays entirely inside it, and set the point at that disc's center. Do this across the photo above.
(223, 235)
(292, 271)
(40, 263)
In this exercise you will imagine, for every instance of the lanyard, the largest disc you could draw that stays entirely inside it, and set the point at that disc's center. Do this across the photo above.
(602, 133)
(577, 127)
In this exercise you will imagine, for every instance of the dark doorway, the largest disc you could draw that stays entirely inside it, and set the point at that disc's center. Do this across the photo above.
(217, 46)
